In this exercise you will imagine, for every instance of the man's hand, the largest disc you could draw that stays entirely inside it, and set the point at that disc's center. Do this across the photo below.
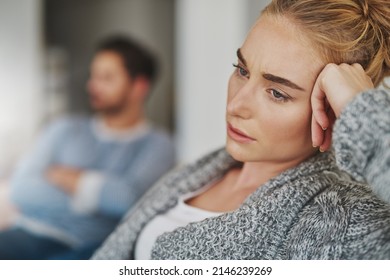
(334, 88)
(65, 178)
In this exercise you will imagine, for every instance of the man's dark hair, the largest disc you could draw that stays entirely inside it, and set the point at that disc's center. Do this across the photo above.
(137, 59)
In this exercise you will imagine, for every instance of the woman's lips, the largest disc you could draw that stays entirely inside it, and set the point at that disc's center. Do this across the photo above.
(238, 135)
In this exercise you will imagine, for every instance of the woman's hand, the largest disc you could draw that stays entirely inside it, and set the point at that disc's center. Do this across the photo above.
(334, 88)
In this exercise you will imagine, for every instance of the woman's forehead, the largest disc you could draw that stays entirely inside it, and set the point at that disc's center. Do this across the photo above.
(276, 46)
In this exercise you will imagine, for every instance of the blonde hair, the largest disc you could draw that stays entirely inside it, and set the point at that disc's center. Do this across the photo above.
(345, 31)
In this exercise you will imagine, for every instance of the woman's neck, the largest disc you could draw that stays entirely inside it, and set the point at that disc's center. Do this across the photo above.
(254, 174)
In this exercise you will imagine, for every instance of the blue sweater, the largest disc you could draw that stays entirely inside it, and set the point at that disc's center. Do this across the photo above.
(122, 168)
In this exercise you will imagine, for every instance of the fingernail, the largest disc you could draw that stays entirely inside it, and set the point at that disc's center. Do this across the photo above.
(324, 128)
(322, 150)
(314, 146)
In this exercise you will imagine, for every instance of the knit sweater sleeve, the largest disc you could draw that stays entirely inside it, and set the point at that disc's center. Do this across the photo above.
(344, 222)
(361, 140)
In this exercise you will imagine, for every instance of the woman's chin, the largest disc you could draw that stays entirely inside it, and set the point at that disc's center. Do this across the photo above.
(238, 153)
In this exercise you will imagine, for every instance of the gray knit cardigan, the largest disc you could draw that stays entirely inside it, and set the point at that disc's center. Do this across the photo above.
(312, 211)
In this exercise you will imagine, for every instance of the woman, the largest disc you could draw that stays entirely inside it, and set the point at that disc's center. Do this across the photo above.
(271, 194)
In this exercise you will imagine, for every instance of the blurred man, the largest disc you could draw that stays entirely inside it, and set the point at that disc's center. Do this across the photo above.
(85, 173)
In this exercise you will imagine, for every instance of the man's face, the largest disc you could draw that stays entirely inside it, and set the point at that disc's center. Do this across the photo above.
(110, 84)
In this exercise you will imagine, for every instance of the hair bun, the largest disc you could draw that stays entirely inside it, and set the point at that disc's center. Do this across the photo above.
(366, 11)
(344, 31)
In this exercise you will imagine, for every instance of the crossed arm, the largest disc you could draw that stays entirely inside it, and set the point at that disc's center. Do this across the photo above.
(40, 182)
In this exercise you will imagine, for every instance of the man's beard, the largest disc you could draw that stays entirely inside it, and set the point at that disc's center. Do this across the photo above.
(111, 109)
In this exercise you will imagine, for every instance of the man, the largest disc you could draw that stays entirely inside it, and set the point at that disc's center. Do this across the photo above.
(84, 174)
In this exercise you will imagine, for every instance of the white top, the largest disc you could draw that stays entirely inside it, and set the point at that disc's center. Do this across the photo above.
(180, 215)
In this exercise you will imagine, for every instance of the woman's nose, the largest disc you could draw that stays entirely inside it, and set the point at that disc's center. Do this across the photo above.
(239, 102)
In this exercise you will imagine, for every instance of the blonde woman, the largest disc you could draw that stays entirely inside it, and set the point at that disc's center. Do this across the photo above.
(275, 192)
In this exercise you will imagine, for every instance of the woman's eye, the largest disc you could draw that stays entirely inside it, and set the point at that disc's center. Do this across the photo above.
(241, 70)
(276, 95)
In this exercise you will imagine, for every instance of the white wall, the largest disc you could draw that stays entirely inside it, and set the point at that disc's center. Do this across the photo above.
(20, 77)
(208, 34)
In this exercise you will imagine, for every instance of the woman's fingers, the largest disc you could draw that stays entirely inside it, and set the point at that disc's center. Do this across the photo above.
(317, 133)
(320, 120)
(318, 105)
(328, 132)
(321, 137)
(339, 84)
(334, 88)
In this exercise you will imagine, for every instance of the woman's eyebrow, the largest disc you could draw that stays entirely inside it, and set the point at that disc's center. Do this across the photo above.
(282, 81)
(271, 77)
(241, 57)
